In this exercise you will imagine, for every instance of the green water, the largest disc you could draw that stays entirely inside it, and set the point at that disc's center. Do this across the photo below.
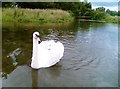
(90, 58)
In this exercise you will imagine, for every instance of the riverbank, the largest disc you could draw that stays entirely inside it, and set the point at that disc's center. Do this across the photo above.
(112, 19)
(44, 16)
(36, 15)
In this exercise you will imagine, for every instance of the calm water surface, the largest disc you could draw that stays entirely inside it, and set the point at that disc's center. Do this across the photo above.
(90, 58)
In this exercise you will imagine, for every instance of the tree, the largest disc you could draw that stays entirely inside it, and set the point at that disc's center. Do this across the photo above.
(112, 13)
(6, 4)
(77, 8)
(102, 9)
(108, 11)
(118, 13)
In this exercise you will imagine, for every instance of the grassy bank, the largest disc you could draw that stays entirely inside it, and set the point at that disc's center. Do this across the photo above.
(112, 19)
(35, 15)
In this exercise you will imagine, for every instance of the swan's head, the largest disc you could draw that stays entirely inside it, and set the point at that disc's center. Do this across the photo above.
(36, 35)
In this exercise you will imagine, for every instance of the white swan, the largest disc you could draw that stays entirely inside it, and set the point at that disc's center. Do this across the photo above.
(45, 53)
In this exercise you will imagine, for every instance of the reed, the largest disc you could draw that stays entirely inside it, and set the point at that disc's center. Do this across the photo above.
(35, 15)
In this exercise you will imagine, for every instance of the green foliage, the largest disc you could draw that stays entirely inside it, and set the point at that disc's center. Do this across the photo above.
(118, 13)
(6, 4)
(74, 7)
(88, 5)
(102, 9)
(112, 13)
(9, 4)
(87, 13)
(112, 19)
(99, 15)
(35, 15)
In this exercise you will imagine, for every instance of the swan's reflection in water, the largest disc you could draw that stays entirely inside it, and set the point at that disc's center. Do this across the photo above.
(34, 78)
(55, 70)
(44, 74)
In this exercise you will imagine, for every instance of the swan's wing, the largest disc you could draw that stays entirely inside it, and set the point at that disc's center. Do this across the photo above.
(50, 52)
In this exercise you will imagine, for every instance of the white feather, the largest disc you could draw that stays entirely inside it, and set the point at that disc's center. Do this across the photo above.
(46, 54)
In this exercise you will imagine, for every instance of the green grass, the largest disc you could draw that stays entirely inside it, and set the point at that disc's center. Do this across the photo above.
(35, 15)
(112, 19)
(44, 16)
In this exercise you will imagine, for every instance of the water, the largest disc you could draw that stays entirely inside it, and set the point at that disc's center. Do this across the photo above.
(90, 58)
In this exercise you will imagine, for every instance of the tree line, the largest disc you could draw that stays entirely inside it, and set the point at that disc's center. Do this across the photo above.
(75, 7)
(112, 13)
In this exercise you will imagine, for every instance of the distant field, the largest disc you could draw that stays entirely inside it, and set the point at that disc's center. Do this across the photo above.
(35, 15)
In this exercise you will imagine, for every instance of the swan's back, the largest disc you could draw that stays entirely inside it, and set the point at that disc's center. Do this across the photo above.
(50, 52)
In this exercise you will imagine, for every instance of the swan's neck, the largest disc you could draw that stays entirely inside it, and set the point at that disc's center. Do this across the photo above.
(35, 49)
(35, 59)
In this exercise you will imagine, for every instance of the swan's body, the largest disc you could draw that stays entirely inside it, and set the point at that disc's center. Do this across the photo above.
(46, 53)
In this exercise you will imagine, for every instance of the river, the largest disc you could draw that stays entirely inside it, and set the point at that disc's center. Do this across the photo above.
(90, 58)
